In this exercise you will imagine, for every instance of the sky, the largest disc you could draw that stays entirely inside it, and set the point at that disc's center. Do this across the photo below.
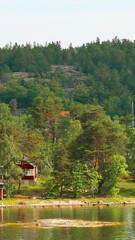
(73, 22)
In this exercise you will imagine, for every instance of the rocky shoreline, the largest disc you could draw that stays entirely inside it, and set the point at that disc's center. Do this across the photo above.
(71, 203)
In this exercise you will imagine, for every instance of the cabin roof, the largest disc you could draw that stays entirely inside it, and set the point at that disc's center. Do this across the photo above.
(26, 161)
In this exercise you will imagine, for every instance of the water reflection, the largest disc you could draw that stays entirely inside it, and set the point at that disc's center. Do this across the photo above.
(1, 215)
(126, 231)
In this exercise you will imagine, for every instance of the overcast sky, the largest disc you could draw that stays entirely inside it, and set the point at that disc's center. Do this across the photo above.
(67, 21)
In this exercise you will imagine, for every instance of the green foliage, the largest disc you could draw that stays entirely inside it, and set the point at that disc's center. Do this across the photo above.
(13, 106)
(32, 143)
(78, 179)
(38, 112)
(71, 132)
(130, 154)
(16, 91)
(100, 138)
(10, 187)
(13, 174)
(61, 167)
(10, 151)
(50, 189)
(117, 169)
(45, 154)
(96, 145)
(93, 180)
(82, 93)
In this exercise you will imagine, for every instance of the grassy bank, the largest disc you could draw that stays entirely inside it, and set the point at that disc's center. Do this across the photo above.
(30, 195)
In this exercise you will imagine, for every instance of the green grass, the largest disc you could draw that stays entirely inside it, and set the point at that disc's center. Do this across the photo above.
(127, 193)
(127, 188)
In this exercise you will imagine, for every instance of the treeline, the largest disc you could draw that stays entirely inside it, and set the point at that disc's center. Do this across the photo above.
(106, 73)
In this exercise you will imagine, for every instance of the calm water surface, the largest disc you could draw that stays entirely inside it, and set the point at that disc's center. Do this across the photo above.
(125, 231)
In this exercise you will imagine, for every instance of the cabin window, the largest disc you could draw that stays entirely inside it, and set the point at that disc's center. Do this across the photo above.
(30, 172)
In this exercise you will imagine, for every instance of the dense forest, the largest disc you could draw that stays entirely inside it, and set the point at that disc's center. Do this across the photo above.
(69, 110)
(95, 73)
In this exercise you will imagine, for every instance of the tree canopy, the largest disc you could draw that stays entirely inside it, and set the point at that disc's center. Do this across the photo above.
(69, 110)
(95, 73)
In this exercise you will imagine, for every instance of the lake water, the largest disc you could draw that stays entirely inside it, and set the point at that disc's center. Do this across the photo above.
(123, 214)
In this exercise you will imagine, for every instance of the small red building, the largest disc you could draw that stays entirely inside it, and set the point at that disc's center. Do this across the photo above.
(1, 191)
(30, 171)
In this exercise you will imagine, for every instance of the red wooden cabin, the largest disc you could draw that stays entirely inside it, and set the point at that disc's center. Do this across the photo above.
(30, 171)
